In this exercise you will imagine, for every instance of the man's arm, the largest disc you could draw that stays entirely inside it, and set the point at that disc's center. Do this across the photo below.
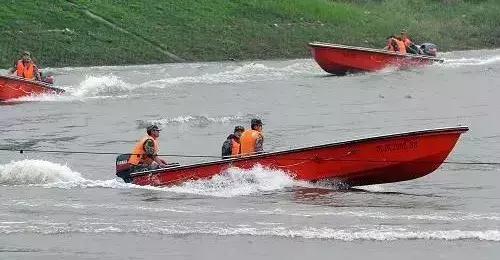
(259, 145)
(37, 73)
(13, 69)
(149, 147)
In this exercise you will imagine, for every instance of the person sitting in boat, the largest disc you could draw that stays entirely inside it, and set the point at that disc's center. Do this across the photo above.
(252, 141)
(145, 153)
(410, 46)
(231, 147)
(395, 44)
(26, 68)
(392, 44)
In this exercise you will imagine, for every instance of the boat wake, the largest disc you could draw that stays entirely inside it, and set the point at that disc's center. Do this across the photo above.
(91, 88)
(196, 120)
(104, 86)
(238, 182)
(257, 229)
(36, 172)
(234, 182)
(123, 81)
(471, 58)
(50, 175)
(249, 72)
(472, 61)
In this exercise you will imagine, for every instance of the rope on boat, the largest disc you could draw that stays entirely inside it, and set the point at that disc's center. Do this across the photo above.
(219, 157)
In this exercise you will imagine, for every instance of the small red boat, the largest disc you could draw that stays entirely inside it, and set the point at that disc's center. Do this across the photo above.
(12, 87)
(382, 159)
(341, 59)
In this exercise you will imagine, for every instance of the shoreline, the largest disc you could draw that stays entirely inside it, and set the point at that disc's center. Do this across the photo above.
(96, 33)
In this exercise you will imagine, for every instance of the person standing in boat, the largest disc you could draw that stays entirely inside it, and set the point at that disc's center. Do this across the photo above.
(252, 141)
(26, 68)
(232, 147)
(145, 153)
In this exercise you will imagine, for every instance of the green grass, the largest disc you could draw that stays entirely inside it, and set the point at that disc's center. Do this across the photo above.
(60, 33)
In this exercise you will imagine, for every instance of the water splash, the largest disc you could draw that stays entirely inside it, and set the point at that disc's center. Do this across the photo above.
(50, 175)
(234, 182)
(36, 172)
(101, 86)
(237, 182)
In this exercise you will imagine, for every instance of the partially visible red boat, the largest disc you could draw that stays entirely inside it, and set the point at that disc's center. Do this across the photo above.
(382, 159)
(12, 87)
(341, 59)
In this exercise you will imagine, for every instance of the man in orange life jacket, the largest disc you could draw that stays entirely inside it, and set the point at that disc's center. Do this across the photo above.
(252, 141)
(392, 44)
(410, 46)
(145, 153)
(395, 44)
(231, 147)
(25, 68)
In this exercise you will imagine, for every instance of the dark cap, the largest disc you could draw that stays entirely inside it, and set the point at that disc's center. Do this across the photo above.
(239, 128)
(255, 121)
(26, 53)
(152, 128)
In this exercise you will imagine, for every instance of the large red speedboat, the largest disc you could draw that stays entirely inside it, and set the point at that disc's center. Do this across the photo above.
(381, 159)
(12, 87)
(341, 59)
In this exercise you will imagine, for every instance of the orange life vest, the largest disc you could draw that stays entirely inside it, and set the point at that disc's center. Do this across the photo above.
(139, 156)
(25, 72)
(235, 148)
(401, 46)
(407, 42)
(248, 140)
(390, 44)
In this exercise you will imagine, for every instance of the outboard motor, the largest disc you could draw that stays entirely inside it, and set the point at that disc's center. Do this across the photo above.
(429, 49)
(47, 77)
(123, 168)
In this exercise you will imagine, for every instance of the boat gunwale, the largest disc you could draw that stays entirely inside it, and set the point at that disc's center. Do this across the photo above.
(366, 49)
(36, 82)
(459, 129)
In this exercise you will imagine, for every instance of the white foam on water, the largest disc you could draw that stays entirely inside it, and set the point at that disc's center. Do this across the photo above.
(50, 175)
(221, 229)
(460, 62)
(195, 119)
(237, 182)
(249, 72)
(36, 172)
(447, 217)
(234, 182)
(101, 86)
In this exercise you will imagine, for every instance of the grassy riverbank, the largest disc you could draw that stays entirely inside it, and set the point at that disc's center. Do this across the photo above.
(103, 32)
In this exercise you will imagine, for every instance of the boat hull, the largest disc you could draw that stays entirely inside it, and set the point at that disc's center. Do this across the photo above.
(375, 160)
(15, 87)
(341, 59)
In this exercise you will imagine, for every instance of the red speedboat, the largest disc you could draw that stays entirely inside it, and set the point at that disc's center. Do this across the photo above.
(341, 59)
(382, 159)
(12, 87)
